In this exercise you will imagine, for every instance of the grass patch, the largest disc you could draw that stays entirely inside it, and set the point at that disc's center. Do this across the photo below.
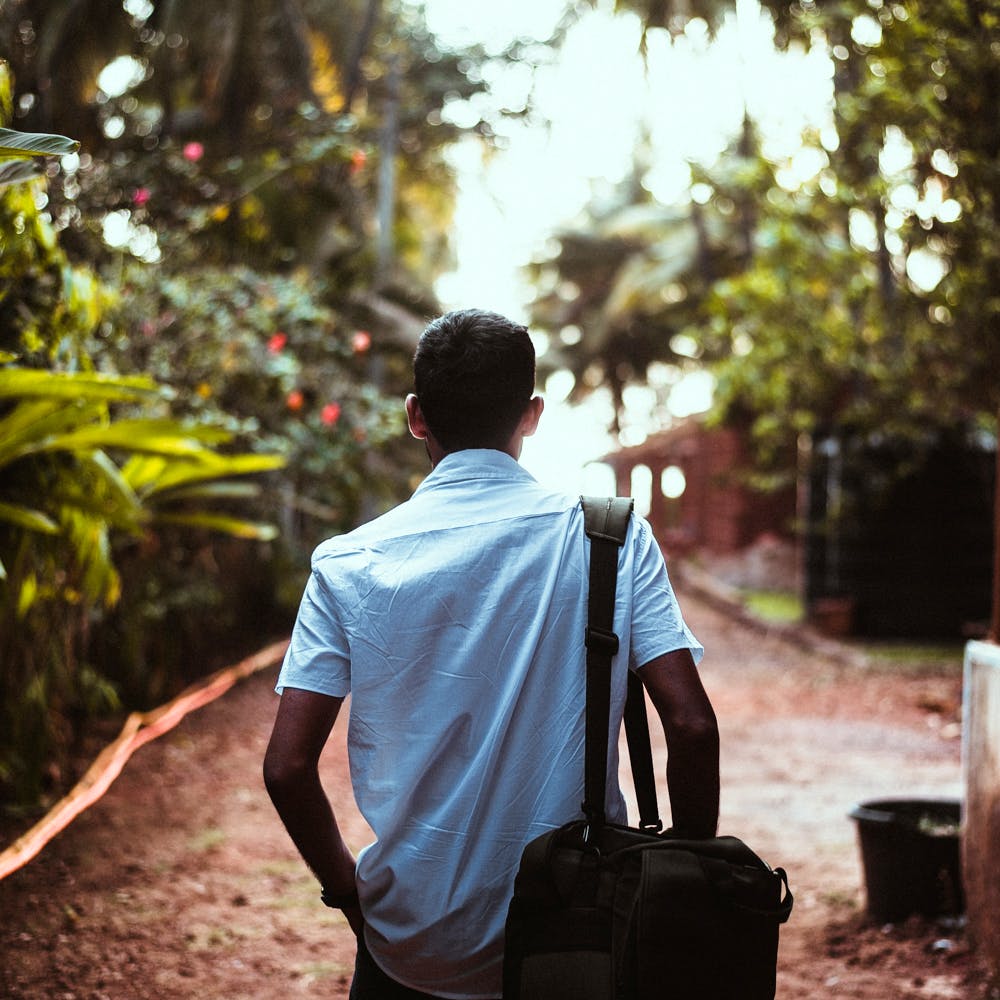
(840, 899)
(913, 659)
(205, 938)
(290, 867)
(780, 607)
(207, 839)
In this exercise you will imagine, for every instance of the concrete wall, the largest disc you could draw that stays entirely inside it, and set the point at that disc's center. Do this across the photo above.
(981, 824)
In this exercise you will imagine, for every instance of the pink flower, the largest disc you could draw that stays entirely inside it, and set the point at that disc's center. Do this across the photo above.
(140, 196)
(277, 343)
(361, 341)
(193, 152)
(330, 414)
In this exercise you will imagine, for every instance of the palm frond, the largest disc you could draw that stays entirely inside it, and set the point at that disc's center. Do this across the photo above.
(29, 518)
(35, 144)
(35, 383)
(234, 526)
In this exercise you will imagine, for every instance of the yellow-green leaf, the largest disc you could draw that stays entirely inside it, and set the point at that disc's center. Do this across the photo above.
(219, 522)
(26, 517)
(27, 595)
(35, 383)
(35, 144)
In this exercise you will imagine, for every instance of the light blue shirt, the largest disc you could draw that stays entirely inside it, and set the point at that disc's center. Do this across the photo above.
(456, 623)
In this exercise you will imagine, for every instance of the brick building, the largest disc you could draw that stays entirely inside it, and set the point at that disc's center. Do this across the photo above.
(716, 510)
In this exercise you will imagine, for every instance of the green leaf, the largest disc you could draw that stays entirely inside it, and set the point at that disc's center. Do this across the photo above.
(27, 594)
(119, 491)
(208, 491)
(142, 470)
(180, 473)
(92, 549)
(18, 171)
(33, 383)
(26, 517)
(152, 437)
(219, 522)
(35, 144)
(31, 422)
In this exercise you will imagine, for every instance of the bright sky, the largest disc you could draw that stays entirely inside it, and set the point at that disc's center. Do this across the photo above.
(596, 96)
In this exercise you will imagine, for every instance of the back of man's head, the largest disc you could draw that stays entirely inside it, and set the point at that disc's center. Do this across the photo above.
(473, 374)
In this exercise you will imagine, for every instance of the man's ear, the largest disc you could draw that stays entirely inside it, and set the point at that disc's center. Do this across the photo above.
(532, 414)
(415, 418)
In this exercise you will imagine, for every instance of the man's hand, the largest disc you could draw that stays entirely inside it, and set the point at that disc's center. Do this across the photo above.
(692, 735)
(291, 774)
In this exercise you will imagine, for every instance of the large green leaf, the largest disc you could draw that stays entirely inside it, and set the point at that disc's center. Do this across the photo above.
(183, 474)
(32, 382)
(33, 421)
(18, 171)
(123, 507)
(92, 550)
(153, 437)
(224, 490)
(140, 471)
(35, 144)
(221, 522)
(26, 517)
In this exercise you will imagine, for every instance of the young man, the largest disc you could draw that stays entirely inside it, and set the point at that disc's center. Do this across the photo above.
(456, 623)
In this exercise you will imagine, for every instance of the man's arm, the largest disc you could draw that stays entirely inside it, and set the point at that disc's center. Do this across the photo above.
(692, 734)
(291, 774)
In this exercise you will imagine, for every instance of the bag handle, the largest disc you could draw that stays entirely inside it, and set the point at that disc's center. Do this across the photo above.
(719, 875)
(606, 521)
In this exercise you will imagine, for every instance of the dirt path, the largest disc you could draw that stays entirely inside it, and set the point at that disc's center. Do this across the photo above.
(181, 883)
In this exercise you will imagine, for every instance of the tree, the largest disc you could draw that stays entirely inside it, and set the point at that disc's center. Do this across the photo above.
(631, 284)
(865, 303)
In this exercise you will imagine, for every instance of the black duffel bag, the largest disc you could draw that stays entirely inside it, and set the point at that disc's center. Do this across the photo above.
(617, 912)
(606, 912)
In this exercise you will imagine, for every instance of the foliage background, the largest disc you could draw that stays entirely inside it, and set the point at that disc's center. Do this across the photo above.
(252, 229)
(252, 225)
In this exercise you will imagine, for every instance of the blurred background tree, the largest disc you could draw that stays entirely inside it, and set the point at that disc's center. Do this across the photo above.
(261, 206)
(857, 297)
(254, 221)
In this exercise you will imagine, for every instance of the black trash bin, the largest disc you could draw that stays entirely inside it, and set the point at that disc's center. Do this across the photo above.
(910, 855)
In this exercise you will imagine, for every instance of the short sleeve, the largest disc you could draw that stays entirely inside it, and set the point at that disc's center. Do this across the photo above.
(658, 626)
(318, 656)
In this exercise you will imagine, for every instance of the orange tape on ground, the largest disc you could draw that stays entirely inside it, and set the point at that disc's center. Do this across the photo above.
(139, 729)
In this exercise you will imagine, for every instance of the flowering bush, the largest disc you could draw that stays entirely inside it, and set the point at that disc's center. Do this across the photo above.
(263, 356)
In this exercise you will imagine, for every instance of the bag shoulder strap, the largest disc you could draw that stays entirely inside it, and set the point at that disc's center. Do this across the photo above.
(606, 521)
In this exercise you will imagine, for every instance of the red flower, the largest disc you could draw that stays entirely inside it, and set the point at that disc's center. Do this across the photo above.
(361, 341)
(330, 414)
(294, 400)
(140, 197)
(277, 343)
(193, 152)
(358, 159)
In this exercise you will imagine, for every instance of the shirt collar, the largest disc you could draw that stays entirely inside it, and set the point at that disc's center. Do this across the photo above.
(474, 463)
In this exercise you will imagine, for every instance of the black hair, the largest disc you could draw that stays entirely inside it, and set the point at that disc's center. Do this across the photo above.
(473, 374)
